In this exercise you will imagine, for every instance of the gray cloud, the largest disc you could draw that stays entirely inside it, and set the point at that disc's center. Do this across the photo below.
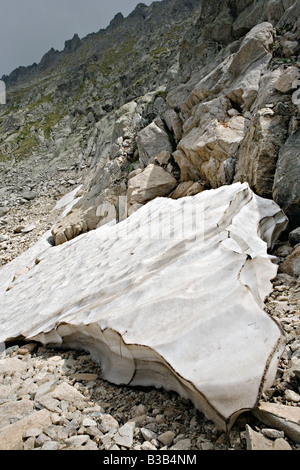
(29, 28)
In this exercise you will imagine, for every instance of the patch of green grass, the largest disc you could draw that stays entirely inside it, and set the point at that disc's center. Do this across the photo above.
(14, 97)
(44, 99)
(5, 158)
(173, 33)
(158, 52)
(25, 141)
(161, 94)
(131, 168)
(139, 82)
(109, 85)
(49, 122)
(113, 56)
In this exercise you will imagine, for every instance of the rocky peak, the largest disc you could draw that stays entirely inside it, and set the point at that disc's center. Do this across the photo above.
(49, 58)
(72, 44)
(116, 21)
(140, 11)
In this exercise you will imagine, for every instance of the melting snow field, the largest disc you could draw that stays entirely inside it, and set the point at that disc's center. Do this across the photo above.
(171, 297)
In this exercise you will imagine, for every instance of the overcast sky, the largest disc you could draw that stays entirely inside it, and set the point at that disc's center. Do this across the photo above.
(29, 28)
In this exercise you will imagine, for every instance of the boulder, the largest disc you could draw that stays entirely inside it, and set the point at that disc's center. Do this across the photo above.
(153, 182)
(294, 236)
(211, 140)
(286, 187)
(4, 211)
(248, 65)
(152, 140)
(93, 210)
(74, 224)
(174, 123)
(13, 409)
(11, 436)
(163, 158)
(258, 153)
(291, 18)
(289, 47)
(257, 441)
(281, 417)
(286, 81)
(237, 76)
(170, 297)
(291, 264)
(188, 188)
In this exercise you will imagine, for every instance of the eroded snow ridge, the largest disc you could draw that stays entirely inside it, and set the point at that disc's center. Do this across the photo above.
(171, 297)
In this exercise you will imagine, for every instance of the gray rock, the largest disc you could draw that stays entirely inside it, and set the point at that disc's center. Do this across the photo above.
(258, 153)
(281, 417)
(19, 229)
(285, 82)
(290, 395)
(148, 435)
(3, 211)
(286, 188)
(41, 439)
(166, 438)
(28, 228)
(272, 433)
(153, 182)
(33, 432)
(294, 236)
(257, 441)
(291, 264)
(124, 436)
(29, 444)
(108, 424)
(182, 444)
(151, 141)
(77, 441)
(88, 422)
(50, 445)
(29, 195)
(148, 446)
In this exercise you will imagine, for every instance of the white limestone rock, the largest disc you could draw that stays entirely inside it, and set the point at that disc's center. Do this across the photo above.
(171, 297)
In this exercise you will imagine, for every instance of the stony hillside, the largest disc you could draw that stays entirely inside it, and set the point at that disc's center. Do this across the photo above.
(61, 112)
(179, 98)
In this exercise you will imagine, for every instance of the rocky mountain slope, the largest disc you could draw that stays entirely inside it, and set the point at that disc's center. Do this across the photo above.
(180, 97)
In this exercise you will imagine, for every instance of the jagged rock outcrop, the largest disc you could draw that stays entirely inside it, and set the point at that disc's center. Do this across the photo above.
(110, 298)
(211, 143)
(73, 44)
(238, 106)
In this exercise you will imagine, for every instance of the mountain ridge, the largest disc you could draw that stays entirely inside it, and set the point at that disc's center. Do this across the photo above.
(158, 10)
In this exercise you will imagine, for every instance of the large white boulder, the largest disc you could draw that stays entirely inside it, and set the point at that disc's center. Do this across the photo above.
(171, 297)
